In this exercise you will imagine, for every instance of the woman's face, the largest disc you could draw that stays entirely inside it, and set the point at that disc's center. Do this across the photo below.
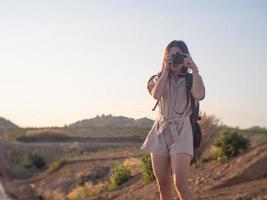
(176, 67)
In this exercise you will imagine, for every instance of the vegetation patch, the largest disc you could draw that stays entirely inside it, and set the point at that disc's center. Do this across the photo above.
(120, 175)
(147, 170)
(31, 159)
(84, 176)
(85, 191)
(228, 144)
(45, 138)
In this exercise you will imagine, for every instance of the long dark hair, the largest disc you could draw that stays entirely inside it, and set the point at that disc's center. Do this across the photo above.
(181, 45)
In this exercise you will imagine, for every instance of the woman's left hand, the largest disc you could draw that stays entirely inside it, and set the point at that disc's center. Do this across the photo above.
(188, 61)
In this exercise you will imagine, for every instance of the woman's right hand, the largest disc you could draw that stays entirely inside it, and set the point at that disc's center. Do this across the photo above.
(167, 62)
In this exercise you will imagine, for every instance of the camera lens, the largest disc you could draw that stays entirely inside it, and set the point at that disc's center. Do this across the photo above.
(178, 58)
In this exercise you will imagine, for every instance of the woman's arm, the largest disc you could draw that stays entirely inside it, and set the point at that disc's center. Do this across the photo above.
(198, 87)
(156, 86)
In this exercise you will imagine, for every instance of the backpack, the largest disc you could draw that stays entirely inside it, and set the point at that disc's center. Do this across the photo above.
(194, 117)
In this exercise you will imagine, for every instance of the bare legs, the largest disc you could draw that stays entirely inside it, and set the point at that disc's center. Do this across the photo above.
(179, 165)
(162, 171)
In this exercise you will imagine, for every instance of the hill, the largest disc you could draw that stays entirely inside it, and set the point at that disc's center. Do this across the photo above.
(6, 124)
(109, 120)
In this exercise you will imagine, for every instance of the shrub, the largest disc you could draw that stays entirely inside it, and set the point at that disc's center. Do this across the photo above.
(210, 156)
(85, 191)
(58, 163)
(78, 152)
(86, 175)
(32, 159)
(147, 170)
(230, 144)
(121, 175)
(37, 159)
(26, 161)
(133, 164)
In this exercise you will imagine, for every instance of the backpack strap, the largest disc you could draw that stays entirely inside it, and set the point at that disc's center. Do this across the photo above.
(155, 105)
(188, 77)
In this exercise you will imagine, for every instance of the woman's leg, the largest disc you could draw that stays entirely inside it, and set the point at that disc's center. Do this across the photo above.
(162, 171)
(180, 164)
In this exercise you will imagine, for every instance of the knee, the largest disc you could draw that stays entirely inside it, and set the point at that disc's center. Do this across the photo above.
(164, 182)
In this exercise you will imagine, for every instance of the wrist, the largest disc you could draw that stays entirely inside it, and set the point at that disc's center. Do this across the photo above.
(195, 70)
(166, 71)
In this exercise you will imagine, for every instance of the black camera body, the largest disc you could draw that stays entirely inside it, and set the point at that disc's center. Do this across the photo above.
(178, 58)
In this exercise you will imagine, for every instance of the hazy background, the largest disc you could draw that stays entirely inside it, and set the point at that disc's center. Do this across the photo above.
(63, 61)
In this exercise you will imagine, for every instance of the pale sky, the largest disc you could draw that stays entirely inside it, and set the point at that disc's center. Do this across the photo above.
(63, 61)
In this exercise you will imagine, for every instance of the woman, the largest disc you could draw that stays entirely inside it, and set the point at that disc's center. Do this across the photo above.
(170, 141)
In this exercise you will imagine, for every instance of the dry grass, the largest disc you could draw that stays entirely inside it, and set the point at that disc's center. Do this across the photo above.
(134, 165)
(210, 126)
(55, 195)
(87, 190)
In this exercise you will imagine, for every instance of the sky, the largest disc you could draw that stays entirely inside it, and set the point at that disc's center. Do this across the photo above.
(63, 61)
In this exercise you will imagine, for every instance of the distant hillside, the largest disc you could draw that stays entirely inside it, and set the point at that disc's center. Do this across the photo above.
(109, 120)
(6, 124)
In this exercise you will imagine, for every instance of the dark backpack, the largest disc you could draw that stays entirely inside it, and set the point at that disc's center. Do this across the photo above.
(194, 117)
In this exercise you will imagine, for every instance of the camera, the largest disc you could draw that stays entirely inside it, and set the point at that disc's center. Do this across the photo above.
(178, 58)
